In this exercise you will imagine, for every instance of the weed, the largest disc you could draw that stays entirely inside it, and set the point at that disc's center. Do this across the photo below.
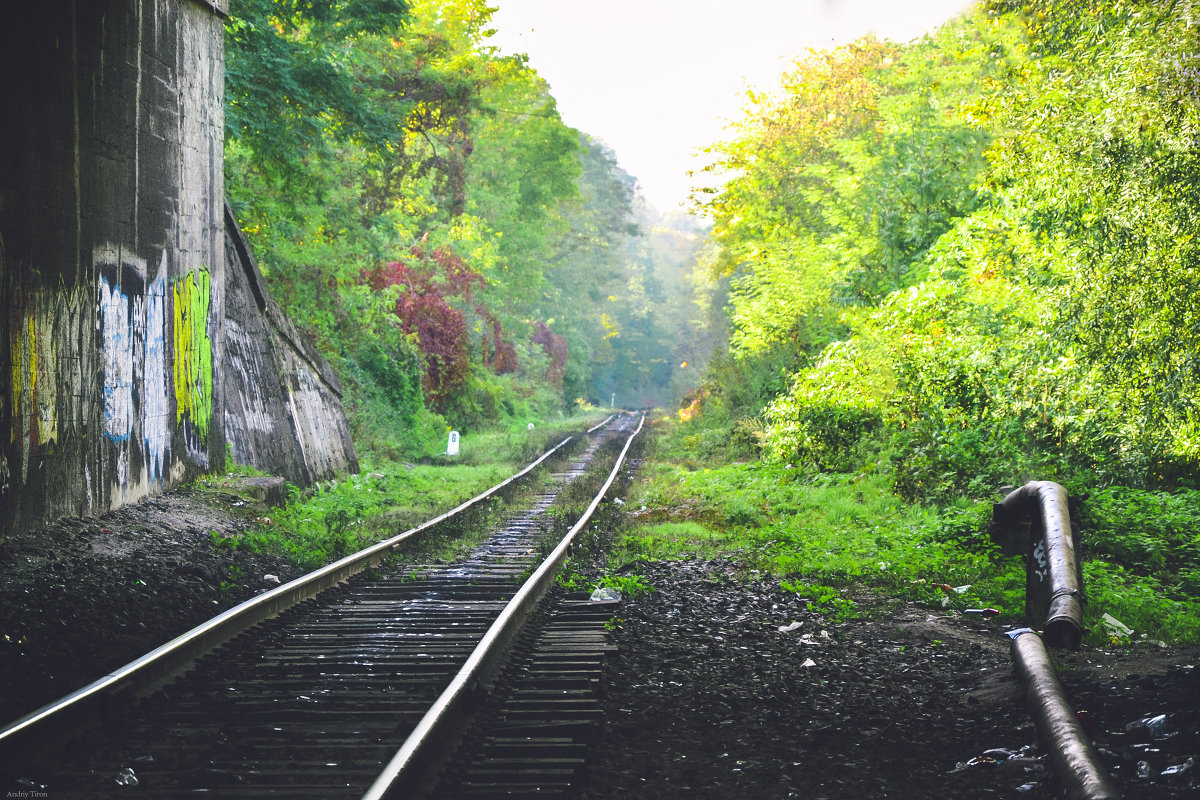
(627, 585)
(221, 542)
(235, 574)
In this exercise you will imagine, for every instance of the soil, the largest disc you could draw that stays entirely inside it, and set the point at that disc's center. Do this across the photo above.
(714, 692)
(83, 597)
(706, 696)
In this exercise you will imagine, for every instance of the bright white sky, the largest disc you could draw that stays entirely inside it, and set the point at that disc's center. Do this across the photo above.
(658, 79)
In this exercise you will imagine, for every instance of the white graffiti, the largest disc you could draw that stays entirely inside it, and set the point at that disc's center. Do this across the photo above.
(1039, 556)
(156, 413)
(116, 339)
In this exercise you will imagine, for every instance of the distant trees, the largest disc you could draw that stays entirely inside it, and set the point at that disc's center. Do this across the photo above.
(419, 206)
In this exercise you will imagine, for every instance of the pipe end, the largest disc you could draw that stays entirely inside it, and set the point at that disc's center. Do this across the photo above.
(1063, 633)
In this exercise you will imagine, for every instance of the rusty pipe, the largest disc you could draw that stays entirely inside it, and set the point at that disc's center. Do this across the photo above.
(1054, 589)
(1072, 757)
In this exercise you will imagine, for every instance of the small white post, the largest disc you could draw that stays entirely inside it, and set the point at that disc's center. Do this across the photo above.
(452, 444)
(613, 402)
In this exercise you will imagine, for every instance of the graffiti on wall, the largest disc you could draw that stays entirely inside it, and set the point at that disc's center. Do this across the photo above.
(121, 289)
(34, 358)
(47, 395)
(156, 413)
(136, 339)
(116, 346)
(193, 369)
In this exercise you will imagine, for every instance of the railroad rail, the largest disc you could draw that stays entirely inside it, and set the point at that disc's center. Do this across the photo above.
(331, 686)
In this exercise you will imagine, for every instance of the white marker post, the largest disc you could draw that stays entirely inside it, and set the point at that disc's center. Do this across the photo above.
(452, 444)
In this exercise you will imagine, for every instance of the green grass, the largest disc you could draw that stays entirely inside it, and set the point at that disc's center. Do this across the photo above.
(831, 529)
(389, 497)
(822, 531)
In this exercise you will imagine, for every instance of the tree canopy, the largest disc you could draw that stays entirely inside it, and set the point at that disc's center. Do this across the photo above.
(419, 206)
(978, 247)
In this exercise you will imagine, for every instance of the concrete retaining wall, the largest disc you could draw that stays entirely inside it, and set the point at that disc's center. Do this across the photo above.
(113, 273)
(111, 251)
(283, 403)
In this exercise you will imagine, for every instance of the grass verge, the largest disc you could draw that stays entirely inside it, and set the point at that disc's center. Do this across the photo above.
(824, 534)
(388, 497)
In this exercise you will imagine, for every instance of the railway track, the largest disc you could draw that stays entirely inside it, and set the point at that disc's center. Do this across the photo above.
(360, 690)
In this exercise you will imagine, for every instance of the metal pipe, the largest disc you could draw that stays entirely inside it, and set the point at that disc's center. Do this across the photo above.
(1054, 586)
(1074, 761)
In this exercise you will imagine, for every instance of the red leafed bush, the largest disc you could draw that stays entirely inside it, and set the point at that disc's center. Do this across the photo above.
(555, 346)
(425, 284)
(498, 354)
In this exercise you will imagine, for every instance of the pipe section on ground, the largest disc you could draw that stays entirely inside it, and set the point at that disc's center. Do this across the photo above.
(1054, 583)
(1072, 757)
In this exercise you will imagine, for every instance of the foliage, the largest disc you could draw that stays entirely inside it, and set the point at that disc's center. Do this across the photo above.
(960, 264)
(826, 528)
(288, 84)
(391, 496)
(421, 210)
(422, 309)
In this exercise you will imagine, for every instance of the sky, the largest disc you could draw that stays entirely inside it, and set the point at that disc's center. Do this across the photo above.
(656, 80)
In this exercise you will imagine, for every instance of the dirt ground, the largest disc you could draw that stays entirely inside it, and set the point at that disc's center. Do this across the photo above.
(715, 691)
(86, 596)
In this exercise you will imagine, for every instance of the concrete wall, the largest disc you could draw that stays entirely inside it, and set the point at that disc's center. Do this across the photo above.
(283, 403)
(112, 252)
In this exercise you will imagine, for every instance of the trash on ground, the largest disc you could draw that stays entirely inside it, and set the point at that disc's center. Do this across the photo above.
(1179, 769)
(604, 594)
(1115, 627)
(1155, 726)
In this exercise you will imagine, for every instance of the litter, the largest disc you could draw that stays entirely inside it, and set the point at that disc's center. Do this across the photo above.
(1115, 627)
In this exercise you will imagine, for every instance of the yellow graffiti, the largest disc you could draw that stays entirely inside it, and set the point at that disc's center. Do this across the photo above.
(193, 351)
(34, 388)
(45, 365)
(24, 374)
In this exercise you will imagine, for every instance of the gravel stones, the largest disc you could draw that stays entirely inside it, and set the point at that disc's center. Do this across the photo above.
(707, 697)
(84, 596)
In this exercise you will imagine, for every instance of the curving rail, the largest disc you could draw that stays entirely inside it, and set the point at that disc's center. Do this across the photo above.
(1036, 518)
(53, 724)
(1054, 586)
(408, 770)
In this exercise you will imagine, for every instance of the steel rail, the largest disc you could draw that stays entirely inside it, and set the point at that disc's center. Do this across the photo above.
(601, 423)
(56, 722)
(411, 766)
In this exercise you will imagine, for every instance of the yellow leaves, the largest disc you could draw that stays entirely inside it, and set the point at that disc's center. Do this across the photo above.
(610, 326)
